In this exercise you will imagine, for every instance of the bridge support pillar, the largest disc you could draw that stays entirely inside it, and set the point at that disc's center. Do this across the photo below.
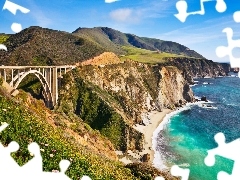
(55, 85)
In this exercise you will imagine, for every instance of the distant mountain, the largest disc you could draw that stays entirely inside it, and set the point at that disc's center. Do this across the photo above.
(42, 46)
(113, 38)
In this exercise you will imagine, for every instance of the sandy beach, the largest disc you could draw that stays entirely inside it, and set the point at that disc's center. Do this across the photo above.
(152, 120)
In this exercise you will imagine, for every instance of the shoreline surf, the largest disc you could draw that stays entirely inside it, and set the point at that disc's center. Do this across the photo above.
(158, 161)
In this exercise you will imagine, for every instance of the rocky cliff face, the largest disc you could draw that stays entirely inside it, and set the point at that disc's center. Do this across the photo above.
(112, 98)
(140, 87)
(197, 68)
(227, 67)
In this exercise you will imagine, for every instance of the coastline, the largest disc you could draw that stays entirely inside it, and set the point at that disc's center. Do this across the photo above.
(152, 121)
(156, 120)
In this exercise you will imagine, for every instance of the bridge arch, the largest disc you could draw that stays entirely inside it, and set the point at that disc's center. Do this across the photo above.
(46, 88)
(49, 76)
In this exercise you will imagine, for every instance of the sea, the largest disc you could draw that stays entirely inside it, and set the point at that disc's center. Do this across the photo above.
(187, 134)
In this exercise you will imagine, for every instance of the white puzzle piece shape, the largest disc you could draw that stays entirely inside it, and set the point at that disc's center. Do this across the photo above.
(228, 150)
(182, 7)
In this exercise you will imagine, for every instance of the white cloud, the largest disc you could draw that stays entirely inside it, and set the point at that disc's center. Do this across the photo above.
(145, 10)
(111, 1)
(126, 15)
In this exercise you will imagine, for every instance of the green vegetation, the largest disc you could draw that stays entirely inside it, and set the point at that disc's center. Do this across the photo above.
(94, 111)
(146, 56)
(42, 60)
(41, 46)
(3, 38)
(32, 85)
(112, 39)
(26, 127)
(97, 36)
(144, 171)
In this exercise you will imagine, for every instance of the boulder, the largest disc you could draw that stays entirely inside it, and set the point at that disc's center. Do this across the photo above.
(145, 158)
(204, 98)
(180, 102)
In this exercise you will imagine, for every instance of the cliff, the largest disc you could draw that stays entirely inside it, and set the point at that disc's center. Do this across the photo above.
(112, 98)
(62, 135)
(197, 68)
(101, 100)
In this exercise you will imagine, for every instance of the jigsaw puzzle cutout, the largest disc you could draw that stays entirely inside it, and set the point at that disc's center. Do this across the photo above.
(182, 7)
(9, 168)
(228, 150)
(177, 171)
(222, 51)
(12, 7)
(159, 178)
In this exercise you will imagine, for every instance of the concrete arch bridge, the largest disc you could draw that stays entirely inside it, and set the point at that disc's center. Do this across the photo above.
(49, 76)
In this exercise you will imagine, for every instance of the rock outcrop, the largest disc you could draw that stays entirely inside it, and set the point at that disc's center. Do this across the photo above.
(124, 91)
(197, 68)
(140, 87)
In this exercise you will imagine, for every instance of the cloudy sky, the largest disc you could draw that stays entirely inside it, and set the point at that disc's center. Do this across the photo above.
(145, 18)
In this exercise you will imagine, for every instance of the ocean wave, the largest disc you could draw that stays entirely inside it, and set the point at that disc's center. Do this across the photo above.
(158, 160)
(232, 105)
(184, 165)
(207, 107)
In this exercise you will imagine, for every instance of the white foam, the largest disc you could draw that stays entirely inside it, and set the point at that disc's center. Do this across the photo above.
(158, 161)
(207, 77)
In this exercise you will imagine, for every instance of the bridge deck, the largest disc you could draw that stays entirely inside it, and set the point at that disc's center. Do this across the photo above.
(24, 67)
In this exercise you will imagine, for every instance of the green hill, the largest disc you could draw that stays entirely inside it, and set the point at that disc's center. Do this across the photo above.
(105, 35)
(41, 46)
(148, 56)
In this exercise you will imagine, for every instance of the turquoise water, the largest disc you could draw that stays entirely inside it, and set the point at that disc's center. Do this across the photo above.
(190, 133)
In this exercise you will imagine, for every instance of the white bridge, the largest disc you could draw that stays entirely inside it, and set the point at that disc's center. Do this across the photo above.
(48, 76)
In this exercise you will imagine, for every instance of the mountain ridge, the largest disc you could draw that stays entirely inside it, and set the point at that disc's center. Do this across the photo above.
(153, 44)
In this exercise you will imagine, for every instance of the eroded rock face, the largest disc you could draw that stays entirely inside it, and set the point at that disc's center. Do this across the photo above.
(197, 68)
(173, 88)
(138, 87)
(127, 91)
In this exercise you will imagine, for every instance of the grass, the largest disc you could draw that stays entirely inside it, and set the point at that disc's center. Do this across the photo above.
(3, 38)
(147, 56)
(26, 126)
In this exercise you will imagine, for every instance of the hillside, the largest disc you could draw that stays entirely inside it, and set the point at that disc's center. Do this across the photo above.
(108, 35)
(60, 136)
(3, 38)
(102, 59)
(148, 56)
(98, 36)
(41, 46)
(120, 78)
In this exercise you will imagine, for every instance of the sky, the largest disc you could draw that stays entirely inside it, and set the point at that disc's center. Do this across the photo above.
(144, 18)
